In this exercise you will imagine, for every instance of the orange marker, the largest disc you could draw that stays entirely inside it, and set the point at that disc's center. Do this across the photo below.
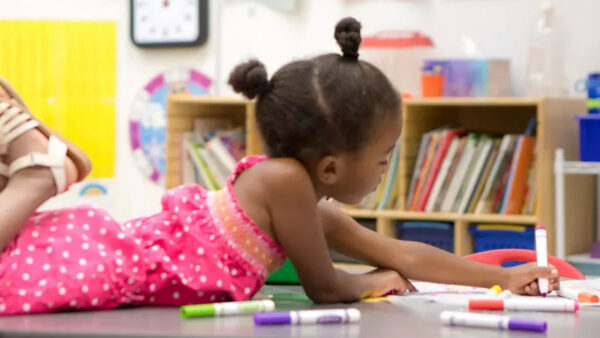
(582, 296)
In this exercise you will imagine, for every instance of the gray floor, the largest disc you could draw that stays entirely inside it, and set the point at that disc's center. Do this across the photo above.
(378, 320)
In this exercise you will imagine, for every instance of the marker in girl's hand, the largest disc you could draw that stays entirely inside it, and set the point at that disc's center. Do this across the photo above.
(542, 256)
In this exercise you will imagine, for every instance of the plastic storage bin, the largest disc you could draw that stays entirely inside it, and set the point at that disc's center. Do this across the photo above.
(399, 55)
(438, 234)
(589, 137)
(498, 236)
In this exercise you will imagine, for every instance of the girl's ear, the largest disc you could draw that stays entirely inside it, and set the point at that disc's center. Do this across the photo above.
(329, 169)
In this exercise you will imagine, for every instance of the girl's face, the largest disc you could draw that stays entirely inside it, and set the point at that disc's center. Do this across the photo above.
(366, 167)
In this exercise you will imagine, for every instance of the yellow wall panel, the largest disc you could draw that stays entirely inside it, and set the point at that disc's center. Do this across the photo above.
(66, 73)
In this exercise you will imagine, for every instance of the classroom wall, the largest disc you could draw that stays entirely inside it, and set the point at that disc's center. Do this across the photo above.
(499, 28)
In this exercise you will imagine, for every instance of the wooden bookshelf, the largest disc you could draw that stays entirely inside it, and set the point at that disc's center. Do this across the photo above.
(556, 128)
(183, 109)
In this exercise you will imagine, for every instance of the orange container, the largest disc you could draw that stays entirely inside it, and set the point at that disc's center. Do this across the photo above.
(432, 85)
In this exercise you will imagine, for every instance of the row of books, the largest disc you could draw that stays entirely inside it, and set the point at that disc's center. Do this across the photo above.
(210, 152)
(386, 195)
(477, 173)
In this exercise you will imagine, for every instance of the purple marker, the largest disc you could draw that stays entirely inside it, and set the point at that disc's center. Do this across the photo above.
(329, 316)
(492, 321)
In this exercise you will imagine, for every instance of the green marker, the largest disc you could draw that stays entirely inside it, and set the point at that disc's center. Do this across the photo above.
(227, 308)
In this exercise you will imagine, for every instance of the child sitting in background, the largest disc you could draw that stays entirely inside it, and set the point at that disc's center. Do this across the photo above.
(329, 125)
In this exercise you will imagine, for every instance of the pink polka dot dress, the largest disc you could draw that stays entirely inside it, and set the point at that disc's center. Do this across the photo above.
(200, 248)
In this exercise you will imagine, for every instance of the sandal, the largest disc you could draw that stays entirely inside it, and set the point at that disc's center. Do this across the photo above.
(15, 120)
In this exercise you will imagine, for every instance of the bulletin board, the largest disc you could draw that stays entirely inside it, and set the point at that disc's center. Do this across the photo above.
(66, 73)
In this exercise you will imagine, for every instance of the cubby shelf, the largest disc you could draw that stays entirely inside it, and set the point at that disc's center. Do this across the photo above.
(556, 127)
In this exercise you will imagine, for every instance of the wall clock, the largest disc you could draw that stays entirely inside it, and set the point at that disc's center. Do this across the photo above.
(168, 23)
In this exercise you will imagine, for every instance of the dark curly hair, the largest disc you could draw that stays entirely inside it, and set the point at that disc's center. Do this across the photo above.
(326, 104)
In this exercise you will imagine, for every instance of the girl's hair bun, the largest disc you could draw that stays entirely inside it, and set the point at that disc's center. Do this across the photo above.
(347, 35)
(250, 79)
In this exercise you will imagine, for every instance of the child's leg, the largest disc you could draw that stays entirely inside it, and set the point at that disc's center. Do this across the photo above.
(23, 194)
(28, 188)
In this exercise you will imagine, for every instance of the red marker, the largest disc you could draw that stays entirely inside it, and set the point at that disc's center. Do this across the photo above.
(525, 304)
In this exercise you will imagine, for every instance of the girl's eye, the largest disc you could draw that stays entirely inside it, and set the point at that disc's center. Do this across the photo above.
(383, 162)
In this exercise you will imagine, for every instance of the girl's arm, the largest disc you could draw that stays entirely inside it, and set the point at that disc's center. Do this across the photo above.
(292, 207)
(420, 261)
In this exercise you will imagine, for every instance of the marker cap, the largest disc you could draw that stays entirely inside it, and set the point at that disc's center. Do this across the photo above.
(496, 288)
(585, 297)
(486, 304)
(272, 318)
(201, 310)
(527, 325)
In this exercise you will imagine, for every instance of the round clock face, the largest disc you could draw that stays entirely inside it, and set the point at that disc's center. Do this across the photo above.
(166, 22)
(148, 119)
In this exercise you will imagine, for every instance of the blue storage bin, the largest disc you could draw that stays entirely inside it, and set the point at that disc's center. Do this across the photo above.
(438, 234)
(589, 137)
(491, 237)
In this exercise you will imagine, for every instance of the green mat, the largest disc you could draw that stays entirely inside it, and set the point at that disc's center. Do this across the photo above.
(285, 275)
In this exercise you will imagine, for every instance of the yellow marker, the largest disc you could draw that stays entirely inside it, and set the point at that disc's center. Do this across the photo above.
(494, 291)
(375, 299)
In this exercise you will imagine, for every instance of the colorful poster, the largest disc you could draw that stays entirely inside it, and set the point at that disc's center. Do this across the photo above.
(66, 73)
(148, 120)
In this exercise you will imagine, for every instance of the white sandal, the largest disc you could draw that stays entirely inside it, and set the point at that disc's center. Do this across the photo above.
(15, 120)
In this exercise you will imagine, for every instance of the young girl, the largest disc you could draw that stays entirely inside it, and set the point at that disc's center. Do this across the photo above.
(329, 124)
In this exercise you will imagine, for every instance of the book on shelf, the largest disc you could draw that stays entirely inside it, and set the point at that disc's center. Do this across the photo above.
(390, 190)
(207, 180)
(474, 173)
(478, 154)
(478, 173)
(443, 173)
(424, 171)
(445, 140)
(514, 198)
(483, 178)
(208, 152)
(449, 175)
(187, 170)
(425, 140)
(503, 161)
(459, 174)
(530, 191)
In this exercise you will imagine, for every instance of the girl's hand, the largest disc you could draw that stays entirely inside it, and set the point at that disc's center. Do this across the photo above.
(386, 282)
(522, 279)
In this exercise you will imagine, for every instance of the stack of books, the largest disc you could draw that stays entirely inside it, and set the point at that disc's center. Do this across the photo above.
(477, 173)
(386, 195)
(210, 153)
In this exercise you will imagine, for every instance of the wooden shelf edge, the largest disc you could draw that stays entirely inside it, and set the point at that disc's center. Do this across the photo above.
(493, 218)
(414, 215)
(442, 216)
(474, 101)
